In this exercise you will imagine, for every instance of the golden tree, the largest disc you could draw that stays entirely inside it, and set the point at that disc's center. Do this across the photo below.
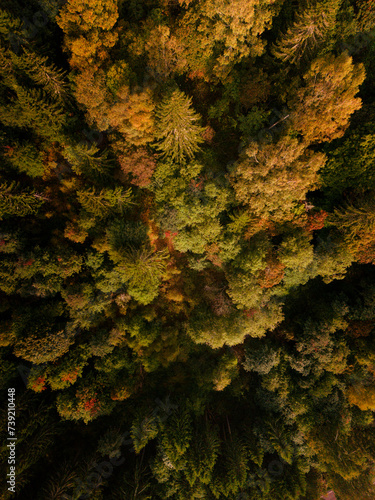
(88, 27)
(309, 29)
(322, 108)
(217, 34)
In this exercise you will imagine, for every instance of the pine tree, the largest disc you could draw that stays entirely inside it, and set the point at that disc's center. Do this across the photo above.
(354, 220)
(33, 108)
(26, 158)
(87, 160)
(179, 135)
(230, 472)
(143, 430)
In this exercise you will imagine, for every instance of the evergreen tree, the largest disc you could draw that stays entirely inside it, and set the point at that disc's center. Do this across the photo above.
(13, 203)
(309, 29)
(178, 133)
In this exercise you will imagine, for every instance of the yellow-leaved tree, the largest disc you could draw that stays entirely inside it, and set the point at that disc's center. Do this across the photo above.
(88, 28)
(218, 34)
(323, 106)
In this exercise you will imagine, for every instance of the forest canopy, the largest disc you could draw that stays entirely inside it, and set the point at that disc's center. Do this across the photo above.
(187, 235)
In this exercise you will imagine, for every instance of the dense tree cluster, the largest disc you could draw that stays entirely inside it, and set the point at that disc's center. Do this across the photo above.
(187, 235)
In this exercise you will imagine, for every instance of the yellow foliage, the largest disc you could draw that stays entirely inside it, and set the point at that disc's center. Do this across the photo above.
(322, 108)
(88, 15)
(362, 396)
(86, 25)
(132, 116)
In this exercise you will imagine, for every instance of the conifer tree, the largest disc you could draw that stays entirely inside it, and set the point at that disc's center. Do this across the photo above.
(13, 203)
(178, 133)
(309, 29)
(32, 108)
(26, 158)
(44, 74)
(143, 270)
(86, 159)
(355, 220)
(107, 200)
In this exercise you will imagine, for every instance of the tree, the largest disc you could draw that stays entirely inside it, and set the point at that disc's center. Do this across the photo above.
(309, 29)
(178, 133)
(26, 158)
(42, 73)
(356, 223)
(139, 163)
(219, 34)
(164, 52)
(143, 270)
(322, 108)
(89, 29)
(101, 204)
(271, 177)
(205, 328)
(41, 336)
(32, 108)
(86, 403)
(91, 92)
(355, 220)
(132, 115)
(18, 204)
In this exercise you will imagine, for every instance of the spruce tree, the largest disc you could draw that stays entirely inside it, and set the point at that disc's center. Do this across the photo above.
(13, 203)
(307, 32)
(178, 133)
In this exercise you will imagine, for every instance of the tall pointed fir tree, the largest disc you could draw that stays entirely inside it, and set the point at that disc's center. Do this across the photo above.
(178, 132)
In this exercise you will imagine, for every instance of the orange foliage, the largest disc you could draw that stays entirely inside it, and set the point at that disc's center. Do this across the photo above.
(92, 405)
(39, 384)
(70, 377)
(316, 220)
(213, 251)
(366, 251)
(272, 274)
(140, 164)
(359, 328)
(208, 134)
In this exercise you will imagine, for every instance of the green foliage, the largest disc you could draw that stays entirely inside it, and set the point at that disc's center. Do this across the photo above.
(84, 159)
(26, 159)
(100, 204)
(234, 277)
(40, 336)
(13, 203)
(143, 269)
(178, 133)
